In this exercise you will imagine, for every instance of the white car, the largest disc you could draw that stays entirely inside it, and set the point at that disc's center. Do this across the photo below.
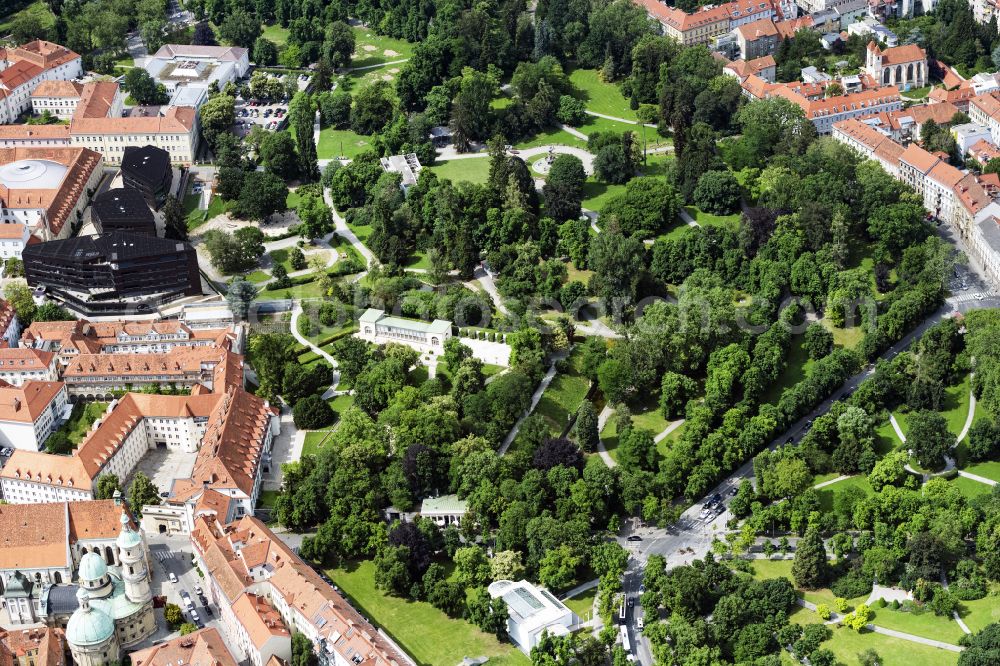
(194, 615)
(172, 577)
(639, 624)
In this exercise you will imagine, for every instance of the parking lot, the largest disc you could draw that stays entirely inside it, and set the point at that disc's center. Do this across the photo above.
(268, 114)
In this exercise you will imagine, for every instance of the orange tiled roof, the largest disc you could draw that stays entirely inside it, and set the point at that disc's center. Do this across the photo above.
(59, 202)
(178, 362)
(96, 100)
(26, 403)
(7, 315)
(33, 536)
(261, 621)
(953, 96)
(68, 471)
(788, 29)
(816, 108)
(899, 55)
(28, 132)
(971, 194)
(945, 174)
(19, 358)
(57, 89)
(230, 452)
(40, 646)
(758, 29)
(177, 120)
(744, 68)
(204, 647)
(918, 158)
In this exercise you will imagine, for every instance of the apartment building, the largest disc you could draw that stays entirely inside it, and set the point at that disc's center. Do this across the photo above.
(230, 433)
(30, 413)
(59, 98)
(704, 25)
(18, 365)
(69, 339)
(24, 68)
(828, 111)
(757, 39)
(249, 568)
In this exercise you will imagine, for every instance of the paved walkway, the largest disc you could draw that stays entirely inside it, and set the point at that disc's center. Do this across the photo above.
(976, 477)
(485, 280)
(686, 216)
(535, 397)
(840, 478)
(381, 64)
(968, 418)
(340, 224)
(573, 131)
(836, 617)
(584, 156)
(895, 426)
(602, 419)
(294, 325)
(617, 119)
(669, 429)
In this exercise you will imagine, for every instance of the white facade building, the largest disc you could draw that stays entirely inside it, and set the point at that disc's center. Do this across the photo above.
(533, 610)
(425, 337)
(23, 68)
(30, 413)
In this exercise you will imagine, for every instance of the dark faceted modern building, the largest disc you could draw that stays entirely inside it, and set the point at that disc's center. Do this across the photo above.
(113, 273)
(148, 170)
(122, 209)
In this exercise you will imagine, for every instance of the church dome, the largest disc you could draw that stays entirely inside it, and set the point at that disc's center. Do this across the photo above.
(92, 568)
(127, 538)
(87, 625)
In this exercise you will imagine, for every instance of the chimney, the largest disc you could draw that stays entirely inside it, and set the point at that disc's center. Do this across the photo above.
(17, 404)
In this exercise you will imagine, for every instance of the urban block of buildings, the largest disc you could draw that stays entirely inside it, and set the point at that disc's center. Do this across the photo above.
(25, 67)
(113, 273)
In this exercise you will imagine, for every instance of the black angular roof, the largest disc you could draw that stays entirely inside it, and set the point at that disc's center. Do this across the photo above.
(147, 164)
(123, 204)
(114, 246)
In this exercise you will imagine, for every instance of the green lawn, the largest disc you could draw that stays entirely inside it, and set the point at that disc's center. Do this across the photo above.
(886, 438)
(763, 569)
(39, 9)
(307, 290)
(313, 442)
(267, 499)
(847, 643)
(258, 276)
(828, 493)
(846, 338)
(796, 366)
(989, 469)
(563, 396)
(582, 604)
(926, 624)
(600, 97)
(956, 406)
(371, 49)
(596, 193)
(552, 136)
(341, 403)
(981, 612)
(81, 419)
(276, 34)
(336, 143)
(473, 170)
(971, 489)
(709, 220)
(422, 631)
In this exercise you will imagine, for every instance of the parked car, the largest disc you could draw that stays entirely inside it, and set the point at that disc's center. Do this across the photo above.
(634, 537)
(172, 577)
(194, 615)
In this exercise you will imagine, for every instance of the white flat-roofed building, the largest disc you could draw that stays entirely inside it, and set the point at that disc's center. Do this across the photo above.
(379, 328)
(408, 166)
(532, 611)
(188, 71)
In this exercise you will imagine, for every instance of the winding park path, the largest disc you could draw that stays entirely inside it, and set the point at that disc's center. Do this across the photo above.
(302, 340)
(584, 156)
(619, 120)
(836, 617)
(535, 398)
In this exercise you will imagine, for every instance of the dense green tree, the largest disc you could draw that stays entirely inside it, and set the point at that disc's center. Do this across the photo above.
(107, 486)
(929, 437)
(262, 195)
(265, 52)
(563, 189)
(717, 192)
(818, 341)
(240, 295)
(810, 568)
(142, 88)
(240, 27)
(585, 428)
(303, 652)
(217, 117)
(141, 493)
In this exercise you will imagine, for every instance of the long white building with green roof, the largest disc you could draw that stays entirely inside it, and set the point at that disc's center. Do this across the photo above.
(424, 337)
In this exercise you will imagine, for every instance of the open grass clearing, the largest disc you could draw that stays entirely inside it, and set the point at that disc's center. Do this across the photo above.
(424, 632)
(925, 624)
(980, 612)
(372, 49)
(583, 603)
(796, 367)
(472, 170)
(828, 494)
(846, 644)
(39, 10)
(275, 33)
(341, 143)
(315, 441)
(81, 419)
(563, 396)
(599, 96)
(970, 488)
